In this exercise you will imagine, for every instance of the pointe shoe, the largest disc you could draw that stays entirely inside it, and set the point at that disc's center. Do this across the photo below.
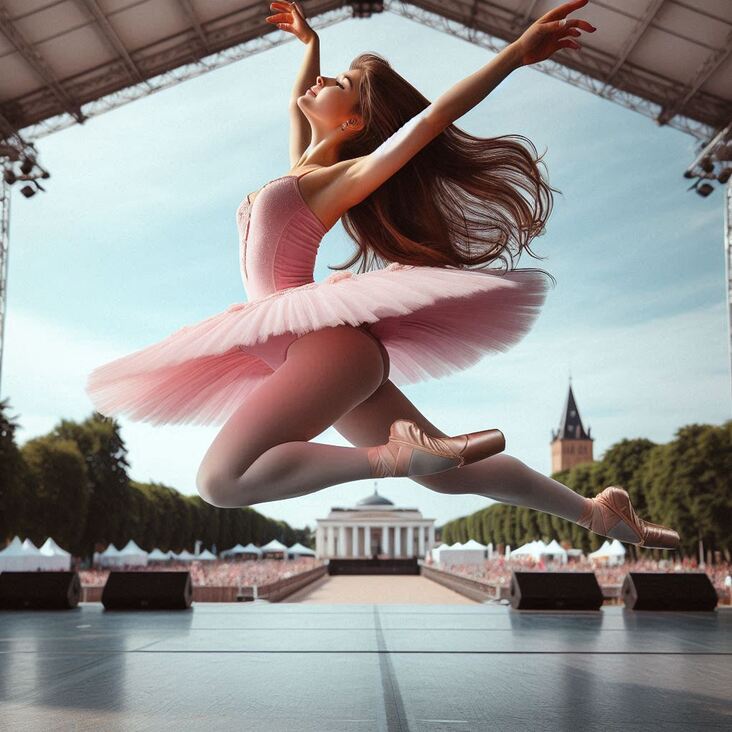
(405, 436)
(613, 505)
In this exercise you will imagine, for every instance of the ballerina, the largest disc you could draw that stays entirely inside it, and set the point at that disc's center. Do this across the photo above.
(300, 356)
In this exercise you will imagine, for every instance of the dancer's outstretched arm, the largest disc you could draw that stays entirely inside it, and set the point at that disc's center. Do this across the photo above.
(291, 18)
(544, 37)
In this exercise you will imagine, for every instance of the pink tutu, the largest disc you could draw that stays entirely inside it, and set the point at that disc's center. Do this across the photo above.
(433, 322)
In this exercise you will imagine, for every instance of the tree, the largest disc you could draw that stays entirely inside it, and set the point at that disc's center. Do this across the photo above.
(60, 491)
(13, 476)
(99, 441)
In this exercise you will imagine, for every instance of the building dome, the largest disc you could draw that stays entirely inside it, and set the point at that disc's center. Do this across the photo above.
(375, 500)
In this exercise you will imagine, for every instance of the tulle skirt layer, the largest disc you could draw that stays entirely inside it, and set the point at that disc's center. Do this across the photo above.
(433, 321)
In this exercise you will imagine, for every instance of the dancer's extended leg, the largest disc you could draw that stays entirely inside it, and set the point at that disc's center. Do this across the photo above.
(262, 453)
(502, 477)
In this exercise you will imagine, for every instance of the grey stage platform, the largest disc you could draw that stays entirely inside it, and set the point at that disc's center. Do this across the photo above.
(271, 667)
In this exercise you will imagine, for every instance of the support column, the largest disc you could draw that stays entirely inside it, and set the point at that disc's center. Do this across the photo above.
(354, 531)
(420, 540)
(331, 541)
(432, 536)
(410, 541)
(342, 540)
(367, 541)
(397, 541)
(385, 534)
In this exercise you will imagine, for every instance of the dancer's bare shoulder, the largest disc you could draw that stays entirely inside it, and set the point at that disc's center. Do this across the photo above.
(326, 190)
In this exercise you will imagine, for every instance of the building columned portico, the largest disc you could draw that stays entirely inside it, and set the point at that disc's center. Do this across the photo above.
(374, 527)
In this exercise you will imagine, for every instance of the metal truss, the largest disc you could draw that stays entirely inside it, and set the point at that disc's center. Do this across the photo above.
(481, 23)
(173, 76)
(489, 26)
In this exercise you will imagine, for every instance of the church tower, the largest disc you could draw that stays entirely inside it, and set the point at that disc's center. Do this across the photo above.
(571, 445)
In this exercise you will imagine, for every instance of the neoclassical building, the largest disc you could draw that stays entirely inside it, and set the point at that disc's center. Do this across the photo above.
(374, 526)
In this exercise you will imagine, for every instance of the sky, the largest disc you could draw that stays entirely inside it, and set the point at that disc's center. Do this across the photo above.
(135, 237)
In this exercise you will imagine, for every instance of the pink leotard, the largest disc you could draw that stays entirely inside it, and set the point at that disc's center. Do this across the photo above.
(279, 240)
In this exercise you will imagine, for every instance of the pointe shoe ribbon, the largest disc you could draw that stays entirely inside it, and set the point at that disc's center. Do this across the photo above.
(407, 436)
(613, 505)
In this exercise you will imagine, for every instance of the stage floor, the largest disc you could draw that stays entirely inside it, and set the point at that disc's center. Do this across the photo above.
(321, 668)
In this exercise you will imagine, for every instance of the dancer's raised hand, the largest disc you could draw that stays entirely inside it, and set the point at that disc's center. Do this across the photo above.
(546, 35)
(291, 18)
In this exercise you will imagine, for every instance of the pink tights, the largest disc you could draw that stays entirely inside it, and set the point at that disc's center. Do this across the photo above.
(337, 376)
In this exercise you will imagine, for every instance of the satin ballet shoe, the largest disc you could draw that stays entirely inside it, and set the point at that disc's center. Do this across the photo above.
(611, 506)
(406, 437)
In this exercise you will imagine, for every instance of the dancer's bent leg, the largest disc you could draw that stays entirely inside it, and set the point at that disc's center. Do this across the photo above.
(501, 477)
(262, 453)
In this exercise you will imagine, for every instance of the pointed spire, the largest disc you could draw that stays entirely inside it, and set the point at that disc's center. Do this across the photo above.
(570, 426)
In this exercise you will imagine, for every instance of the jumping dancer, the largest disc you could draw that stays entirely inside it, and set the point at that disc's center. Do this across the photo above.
(428, 201)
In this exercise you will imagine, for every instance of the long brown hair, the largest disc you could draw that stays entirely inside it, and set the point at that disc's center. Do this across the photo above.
(457, 203)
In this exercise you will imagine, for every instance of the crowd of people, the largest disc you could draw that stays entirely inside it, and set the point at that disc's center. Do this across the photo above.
(498, 570)
(219, 573)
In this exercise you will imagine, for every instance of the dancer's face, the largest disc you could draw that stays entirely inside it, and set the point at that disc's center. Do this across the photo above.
(332, 100)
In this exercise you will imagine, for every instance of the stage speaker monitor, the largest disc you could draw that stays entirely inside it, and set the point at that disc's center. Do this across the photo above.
(147, 591)
(39, 590)
(668, 591)
(555, 591)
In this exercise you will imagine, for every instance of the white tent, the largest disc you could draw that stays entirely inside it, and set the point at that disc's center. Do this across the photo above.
(157, 556)
(534, 549)
(616, 548)
(234, 551)
(184, 556)
(253, 549)
(27, 557)
(132, 555)
(239, 550)
(20, 557)
(300, 550)
(600, 552)
(610, 552)
(108, 558)
(273, 547)
(55, 556)
(555, 549)
(472, 552)
(437, 551)
(206, 555)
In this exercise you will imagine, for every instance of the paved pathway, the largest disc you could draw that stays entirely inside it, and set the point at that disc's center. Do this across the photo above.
(379, 589)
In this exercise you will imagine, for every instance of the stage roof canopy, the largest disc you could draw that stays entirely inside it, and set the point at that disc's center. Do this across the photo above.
(58, 58)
